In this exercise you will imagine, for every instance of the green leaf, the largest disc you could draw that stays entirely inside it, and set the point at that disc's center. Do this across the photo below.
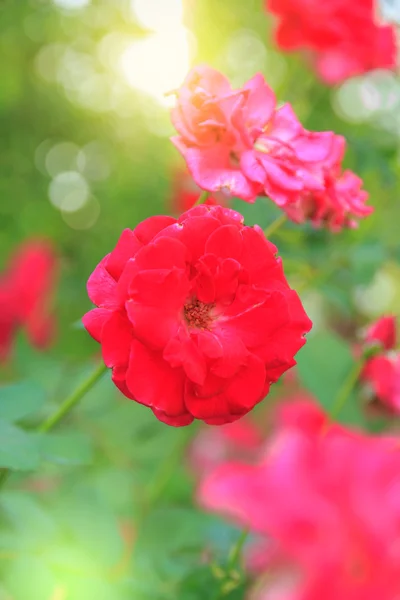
(70, 448)
(18, 449)
(20, 400)
(323, 364)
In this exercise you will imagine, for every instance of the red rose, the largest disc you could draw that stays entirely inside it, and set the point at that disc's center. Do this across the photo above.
(195, 316)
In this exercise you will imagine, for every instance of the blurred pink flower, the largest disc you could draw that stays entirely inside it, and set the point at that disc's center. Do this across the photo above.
(26, 290)
(329, 497)
(343, 37)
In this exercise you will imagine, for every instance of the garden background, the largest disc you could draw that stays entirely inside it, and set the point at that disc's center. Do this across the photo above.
(103, 507)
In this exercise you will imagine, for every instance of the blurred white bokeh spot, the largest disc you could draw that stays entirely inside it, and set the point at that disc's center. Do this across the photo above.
(363, 98)
(47, 61)
(69, 191)
(61, 157)
(41, 153)
(71, 4)
(85, 217)
(376, 298)
(245, 53)
(355, 103)
(389, 11)
(93, 161)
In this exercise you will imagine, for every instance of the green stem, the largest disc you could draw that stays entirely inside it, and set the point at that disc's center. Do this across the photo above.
(268, 231)
(346, 389)
(72, 400)
(236, 551)
(64, 409)
(201, 199)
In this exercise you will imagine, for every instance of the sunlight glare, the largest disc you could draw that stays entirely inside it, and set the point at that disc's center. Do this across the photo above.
(158, 64)
(158, 15)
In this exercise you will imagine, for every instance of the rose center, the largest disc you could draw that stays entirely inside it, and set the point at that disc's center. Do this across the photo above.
(198, 314)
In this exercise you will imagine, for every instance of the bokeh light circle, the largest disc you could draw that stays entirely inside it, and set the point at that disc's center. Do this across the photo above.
(69, 191)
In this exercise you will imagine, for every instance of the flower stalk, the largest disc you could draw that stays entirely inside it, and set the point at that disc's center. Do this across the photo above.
(64, 409)
(275, 225)
(201, 199)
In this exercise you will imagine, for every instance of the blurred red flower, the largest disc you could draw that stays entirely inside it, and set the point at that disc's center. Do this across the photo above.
(329, 497)
(26, 289)
(239, 142)
(382, 371)
(195, 316)
(343, 36)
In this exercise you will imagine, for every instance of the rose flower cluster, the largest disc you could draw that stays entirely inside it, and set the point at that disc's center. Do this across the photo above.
(241, 143)
(327, 498)
(195, 316)
(344, 38)
(26, 289)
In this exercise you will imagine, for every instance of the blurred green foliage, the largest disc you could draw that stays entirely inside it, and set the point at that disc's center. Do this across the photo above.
(109, 514)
